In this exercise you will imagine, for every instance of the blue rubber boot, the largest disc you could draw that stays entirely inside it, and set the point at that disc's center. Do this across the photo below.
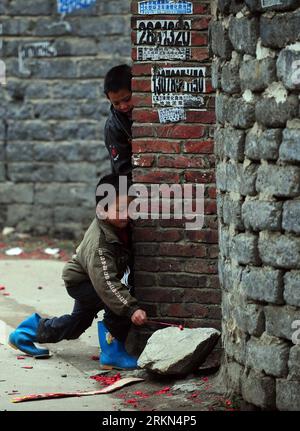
(24, 336)
(113, 353)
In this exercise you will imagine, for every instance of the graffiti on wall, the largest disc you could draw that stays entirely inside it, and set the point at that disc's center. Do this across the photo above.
(68, 6)
(178, 86)
(168, 7)
(35, 49)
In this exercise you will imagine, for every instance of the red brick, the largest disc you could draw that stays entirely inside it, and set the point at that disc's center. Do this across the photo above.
(199, 177)
(141, 69)
(210, 206)
(141, 85)
(199, 147)
(139, 131)
(146, 249)
(184, 310)
(213, 251)
(199, 39)
(144, 279)
(202, 266)
(180, 131)
(182, 250)
(145, 264)
(153, 234)
(158, 294)
(200, 23)
(200, 54)
(145, 161)
(206, 236)
(155, 177)
(206, 117)
(181, 280)
(208, 87)
(145, 116)
(203, 296)
(182, 162)
(200, 8)
(155, 146)
(142, 100)
(212, 192)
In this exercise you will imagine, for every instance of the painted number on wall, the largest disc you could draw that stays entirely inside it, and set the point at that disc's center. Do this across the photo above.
(164, 33)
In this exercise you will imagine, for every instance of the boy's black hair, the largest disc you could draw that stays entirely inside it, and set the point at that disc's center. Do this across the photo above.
(113, 180)
(118, 78)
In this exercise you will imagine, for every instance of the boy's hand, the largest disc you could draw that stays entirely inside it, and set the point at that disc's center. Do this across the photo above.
(139, 317)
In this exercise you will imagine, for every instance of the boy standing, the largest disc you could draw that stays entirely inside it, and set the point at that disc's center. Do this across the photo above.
(96, 278)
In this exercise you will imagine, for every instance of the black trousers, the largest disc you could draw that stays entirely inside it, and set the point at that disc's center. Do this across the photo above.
(71, 326)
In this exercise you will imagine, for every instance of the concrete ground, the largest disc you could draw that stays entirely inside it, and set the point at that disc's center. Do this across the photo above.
(36, 286)
(70, 367)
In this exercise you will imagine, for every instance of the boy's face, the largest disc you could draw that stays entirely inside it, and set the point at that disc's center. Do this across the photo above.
(121, 100)
(117, 212)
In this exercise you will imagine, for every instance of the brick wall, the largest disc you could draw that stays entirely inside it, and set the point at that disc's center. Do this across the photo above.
(176, 268)
(53, 111)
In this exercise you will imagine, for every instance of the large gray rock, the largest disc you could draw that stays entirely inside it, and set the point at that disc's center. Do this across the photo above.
(172, 351)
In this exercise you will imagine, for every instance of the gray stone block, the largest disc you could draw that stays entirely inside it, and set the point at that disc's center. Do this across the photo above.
(224, 240)
(256, 75)
(234, 142)
(53, 110)
(81, 215)
(87, 130)
(16, 193)
(79, 90)
(294, 363)
(243, 34)
(244, 249)
(280, 251)
(232, 376)
(268, 354)
(279, 320)
(65, 194)
(2, 172)
(53, 68)
(235, 177)
(220, 43)
(30, 172)
(262, 215)
(263, 144)
(289, 150)
(234, 341)
(229, 6)
(291, 216)
(288, 67)
(269, 113)
(31, 131)
(216, 73)
(263, 284)
(287, 395)
(222, 103)
(278, 180)
(240, 113)
(258, 389)
(29, 7)
(18, 152)
(232, 212)
(230, 78)
(279, 30)
(291, 288)
(81, 172)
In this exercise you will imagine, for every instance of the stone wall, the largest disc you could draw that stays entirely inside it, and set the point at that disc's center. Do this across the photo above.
(53, 111)
(256, 72)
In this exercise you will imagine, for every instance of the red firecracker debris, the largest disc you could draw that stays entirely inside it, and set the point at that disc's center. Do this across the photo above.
(180, 327)
(20, 357)
(141, 394)
(6, 294)
(27, 368)
(2, 288)
(204, 379)
(95, 358)
(106, 380)
(162, 391)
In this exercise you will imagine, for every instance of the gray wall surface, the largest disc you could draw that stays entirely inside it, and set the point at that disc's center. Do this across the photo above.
(256, 73)
(53, 111)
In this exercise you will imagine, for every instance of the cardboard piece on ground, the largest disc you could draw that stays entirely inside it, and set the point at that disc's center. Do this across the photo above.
(111, 388)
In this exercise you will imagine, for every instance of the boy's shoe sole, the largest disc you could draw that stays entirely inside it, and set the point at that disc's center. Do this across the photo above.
(36, 357)
(113, 367)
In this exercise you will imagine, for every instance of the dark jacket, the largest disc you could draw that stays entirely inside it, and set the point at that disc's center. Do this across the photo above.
(118, 139)
(102, 258)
